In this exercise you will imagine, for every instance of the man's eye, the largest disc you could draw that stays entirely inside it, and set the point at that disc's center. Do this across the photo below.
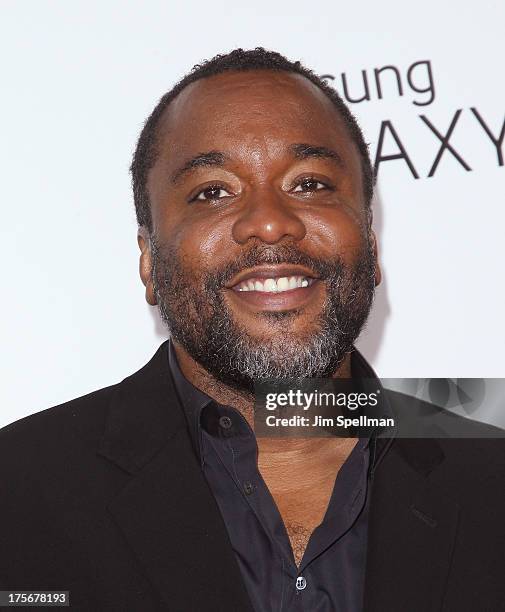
(309, 184)
(213, 192)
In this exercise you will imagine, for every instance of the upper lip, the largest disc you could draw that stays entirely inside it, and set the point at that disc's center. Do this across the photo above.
(271, 271)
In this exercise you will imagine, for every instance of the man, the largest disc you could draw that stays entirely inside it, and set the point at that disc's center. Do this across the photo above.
(253, 187)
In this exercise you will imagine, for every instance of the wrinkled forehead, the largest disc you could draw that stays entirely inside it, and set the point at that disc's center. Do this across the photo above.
(263, 106)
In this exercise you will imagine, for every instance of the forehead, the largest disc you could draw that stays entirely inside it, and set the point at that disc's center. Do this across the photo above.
(257, 108)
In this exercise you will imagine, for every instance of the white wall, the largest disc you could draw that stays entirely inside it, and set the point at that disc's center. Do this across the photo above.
(78, 79)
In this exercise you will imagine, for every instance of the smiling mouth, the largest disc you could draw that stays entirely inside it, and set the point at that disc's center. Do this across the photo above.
(275, 293)
(274, 284)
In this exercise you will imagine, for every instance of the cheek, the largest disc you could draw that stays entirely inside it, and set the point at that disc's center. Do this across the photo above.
(213, 241)
(337, 232)
(198, 244)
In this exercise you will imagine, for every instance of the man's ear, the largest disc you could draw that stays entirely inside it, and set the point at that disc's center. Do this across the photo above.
(378, 273)
(145, 264)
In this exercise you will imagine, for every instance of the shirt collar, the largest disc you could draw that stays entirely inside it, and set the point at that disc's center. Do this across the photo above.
(193, 401)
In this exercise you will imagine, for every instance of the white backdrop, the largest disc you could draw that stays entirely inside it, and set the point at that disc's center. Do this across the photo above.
(79, 78)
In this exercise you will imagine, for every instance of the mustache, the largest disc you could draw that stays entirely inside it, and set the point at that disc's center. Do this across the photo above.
(281, 254)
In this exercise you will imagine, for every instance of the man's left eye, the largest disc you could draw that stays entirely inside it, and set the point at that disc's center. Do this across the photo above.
(308, 185)
(213, 192)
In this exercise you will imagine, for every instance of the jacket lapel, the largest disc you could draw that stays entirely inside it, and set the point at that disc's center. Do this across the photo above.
(166, 511)
(411, 534)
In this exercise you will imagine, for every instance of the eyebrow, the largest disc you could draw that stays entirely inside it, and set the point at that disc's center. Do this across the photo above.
(201, 160)
(299, 150)
(303, 150)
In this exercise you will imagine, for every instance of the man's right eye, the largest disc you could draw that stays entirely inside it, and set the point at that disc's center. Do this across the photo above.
(212, 192)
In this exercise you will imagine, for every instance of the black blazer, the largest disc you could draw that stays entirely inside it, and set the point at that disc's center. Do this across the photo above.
(103, 496)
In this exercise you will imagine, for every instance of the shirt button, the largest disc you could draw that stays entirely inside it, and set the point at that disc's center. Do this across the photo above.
(225, 422)
(301, 583)
(248, 488)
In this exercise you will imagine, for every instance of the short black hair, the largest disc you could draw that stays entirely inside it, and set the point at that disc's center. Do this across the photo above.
(238, 60)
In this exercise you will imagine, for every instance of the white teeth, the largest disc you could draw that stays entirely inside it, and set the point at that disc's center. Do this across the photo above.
(274, 285)
(283, 284)
(270, 285)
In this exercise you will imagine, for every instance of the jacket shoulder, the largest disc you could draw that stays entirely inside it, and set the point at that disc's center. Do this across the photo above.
(68, 435)
(81, 412)
(53, 442)
(77, 414)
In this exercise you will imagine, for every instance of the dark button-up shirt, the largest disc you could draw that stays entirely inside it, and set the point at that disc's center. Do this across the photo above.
(330, 577)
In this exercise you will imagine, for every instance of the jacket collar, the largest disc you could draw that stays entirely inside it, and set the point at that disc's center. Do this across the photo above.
(143, 415)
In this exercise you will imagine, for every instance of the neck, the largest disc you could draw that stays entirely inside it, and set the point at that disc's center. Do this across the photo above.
(241, 400)
(277, 457)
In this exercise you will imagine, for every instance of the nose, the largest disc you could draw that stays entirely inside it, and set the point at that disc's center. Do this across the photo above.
(267, 217)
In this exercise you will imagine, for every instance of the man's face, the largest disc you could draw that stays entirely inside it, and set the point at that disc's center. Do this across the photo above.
(261, 258)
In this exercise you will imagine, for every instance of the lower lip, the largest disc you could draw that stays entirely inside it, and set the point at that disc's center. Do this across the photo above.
(283, 300)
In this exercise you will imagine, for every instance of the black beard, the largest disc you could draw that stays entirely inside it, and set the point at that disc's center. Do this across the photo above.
(192, 306)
